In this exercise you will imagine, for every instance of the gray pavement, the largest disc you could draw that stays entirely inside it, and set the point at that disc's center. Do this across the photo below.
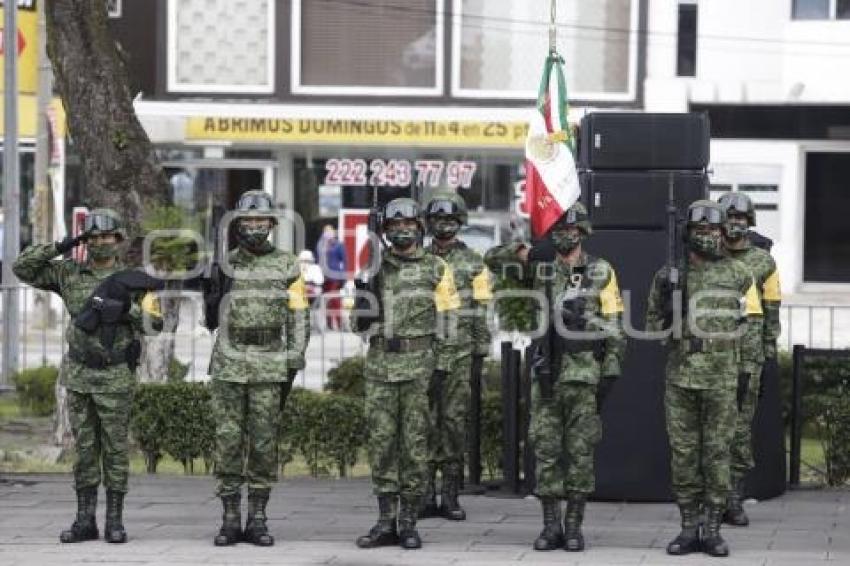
(171, 520)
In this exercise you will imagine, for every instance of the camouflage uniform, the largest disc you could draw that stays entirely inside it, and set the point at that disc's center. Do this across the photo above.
(565, 426)
(702, 376)
(449, 407)
(761, 339)
(99, 399)
(565, 429)
(405, 349)
(259, 348)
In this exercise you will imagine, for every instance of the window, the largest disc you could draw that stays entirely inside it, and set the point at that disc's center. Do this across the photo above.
(113, 8)
(221, 46)
(820, 10)
(499, 47)
(686, 48)
(826, 254)
(367, 47)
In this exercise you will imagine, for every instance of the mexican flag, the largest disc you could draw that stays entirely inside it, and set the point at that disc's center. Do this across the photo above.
(551, 181)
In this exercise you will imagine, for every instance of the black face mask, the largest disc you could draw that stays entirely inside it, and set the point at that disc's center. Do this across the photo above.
(254, 237)
(444, 228)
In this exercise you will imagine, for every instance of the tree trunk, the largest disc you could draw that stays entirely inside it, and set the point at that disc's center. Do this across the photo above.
(119, 163)
(158, 350)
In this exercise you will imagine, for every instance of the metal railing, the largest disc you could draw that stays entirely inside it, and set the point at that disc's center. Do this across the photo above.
(42, 322)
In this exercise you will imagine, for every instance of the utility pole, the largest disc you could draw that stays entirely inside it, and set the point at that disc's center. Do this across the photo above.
(11, 194)
(43, 218)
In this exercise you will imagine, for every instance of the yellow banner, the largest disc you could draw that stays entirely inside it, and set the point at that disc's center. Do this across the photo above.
(28, 112)
(436, 133)
(26, 41)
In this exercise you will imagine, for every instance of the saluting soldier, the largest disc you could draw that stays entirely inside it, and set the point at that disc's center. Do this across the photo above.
(99, 369)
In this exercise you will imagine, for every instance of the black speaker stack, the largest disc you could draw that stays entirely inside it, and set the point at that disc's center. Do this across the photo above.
(627, 163)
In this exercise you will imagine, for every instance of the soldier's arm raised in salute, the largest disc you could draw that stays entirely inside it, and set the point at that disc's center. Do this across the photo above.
(36, 264)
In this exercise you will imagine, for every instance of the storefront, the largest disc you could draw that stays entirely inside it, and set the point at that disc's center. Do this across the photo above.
(329, 165)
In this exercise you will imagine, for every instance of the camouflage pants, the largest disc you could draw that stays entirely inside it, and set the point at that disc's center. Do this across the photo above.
(247, 417)
(100, 423)
(742, 442)
(700, 425)
(397, 417)
(564, 431)
(448, 418)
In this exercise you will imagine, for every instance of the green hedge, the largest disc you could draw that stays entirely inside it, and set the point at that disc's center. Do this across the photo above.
(825, 408)
(36, 389)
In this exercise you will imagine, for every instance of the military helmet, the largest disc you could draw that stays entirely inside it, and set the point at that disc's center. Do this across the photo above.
(576, 215)
(740, 203)
(447, 204)
(706, 211)
(256, 203)
(104, 221)
(403, 208)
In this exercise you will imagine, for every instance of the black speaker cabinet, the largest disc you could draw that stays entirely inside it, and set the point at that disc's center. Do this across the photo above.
(637, 140)
(637, 200)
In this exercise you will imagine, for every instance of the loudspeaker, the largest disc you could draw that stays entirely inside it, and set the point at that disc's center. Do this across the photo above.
(621, 140)
(637, 200)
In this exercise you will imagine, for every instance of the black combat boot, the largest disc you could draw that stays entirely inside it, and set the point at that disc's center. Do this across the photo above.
(384, 532)
(712, 543)
(552, 535)
(688, 540)
(114, 530)
(85, 525)
(231, 521)
(735, 514)
(256, 531)
(407, 533)
(574, 540)
(449, 505)
(429, 501)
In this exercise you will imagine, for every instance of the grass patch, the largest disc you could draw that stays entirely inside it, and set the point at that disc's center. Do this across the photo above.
(9, 408)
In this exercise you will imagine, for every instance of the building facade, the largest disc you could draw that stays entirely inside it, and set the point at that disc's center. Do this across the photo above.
(317, 102)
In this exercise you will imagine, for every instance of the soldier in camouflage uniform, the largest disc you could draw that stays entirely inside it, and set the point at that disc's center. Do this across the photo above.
(449, 405)
(260, 347)
(407, 354)
(572, 381)
(702, 373)
(99, 369)
(763, 333)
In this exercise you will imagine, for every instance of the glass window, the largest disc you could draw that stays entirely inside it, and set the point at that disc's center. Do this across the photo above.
(826, 250)
(395, 44)
(810, 10)
(221, 45)
(686, 49)
(501, 45)
(842, 9)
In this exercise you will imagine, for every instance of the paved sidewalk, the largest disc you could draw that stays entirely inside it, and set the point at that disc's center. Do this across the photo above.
(171, 520)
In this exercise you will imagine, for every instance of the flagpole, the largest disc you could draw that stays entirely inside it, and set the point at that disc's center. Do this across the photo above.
(553, 30)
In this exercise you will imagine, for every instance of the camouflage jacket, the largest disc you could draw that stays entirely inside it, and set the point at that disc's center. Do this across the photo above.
(264, 323)
(74, 282)
(593, 279)
(763, 333)
(415, 293)
(472, 279)
(721, 297)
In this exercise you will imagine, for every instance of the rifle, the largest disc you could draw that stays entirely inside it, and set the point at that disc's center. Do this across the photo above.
(677, 262)
(546, 365)
(367, 283)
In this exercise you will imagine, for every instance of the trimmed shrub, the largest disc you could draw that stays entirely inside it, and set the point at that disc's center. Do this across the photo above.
(348, 378)
(36, 390)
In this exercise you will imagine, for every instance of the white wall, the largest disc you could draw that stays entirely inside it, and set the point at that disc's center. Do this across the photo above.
(748, 51)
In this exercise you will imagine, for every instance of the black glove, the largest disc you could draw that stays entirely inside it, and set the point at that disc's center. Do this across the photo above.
(68, 243)
(743, 386)
(542, 250)
(603, 389)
